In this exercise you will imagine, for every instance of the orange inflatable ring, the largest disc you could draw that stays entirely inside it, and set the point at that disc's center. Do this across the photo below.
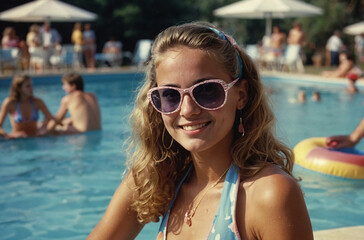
(313, 154)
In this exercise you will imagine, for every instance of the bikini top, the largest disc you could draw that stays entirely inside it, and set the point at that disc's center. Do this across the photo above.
(18, 118)
(224, 224)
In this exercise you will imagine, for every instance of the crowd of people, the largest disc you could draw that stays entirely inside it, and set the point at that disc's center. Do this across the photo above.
(23, 110)
(43, 47)
(273, 48)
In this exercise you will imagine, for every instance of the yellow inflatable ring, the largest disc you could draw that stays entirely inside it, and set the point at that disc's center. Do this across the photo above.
(313, 154)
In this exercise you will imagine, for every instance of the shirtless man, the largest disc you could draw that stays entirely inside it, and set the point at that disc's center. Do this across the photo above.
(277, 41)
(83, 108)
(296, 35)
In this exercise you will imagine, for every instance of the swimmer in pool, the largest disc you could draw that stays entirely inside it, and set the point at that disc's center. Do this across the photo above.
(23, 109)
(83, 108)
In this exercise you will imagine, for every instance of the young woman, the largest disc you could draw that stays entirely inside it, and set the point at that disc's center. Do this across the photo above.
(23, 108)
(204, 153)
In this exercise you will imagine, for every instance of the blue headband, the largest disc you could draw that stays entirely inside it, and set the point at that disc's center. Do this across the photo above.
(226, 37)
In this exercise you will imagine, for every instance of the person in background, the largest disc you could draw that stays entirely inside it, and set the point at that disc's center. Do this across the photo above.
(23, 109)
(276, 46)
(35, 49)
(9, 39)
(83, 108)
(346, 141)
(359, 47)
(204, 153)
(352, 78)
(77, 40)
(51, 41)
(112, 52)
(296, 36)
(335, 45)
(345, 67)
(316, 97)
(301, 96)
(278, 41)
(89, 46)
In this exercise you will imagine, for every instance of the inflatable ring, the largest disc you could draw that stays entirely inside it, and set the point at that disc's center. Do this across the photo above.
(313, 154)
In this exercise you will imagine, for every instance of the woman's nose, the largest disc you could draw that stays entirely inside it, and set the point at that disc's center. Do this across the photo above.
(188, 106)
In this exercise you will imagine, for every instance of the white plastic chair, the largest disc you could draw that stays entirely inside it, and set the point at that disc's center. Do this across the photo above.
(9, 58)
(142, 52)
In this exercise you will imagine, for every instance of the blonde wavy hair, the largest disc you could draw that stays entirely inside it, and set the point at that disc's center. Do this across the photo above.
(156, 165)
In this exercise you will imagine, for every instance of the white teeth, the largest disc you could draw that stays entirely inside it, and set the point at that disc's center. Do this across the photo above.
(194, 127)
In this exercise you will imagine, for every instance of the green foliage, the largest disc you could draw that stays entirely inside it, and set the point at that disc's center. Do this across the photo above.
(130, 20)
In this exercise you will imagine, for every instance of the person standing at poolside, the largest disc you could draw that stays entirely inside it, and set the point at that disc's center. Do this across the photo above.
(89, 46)
(83, 108)
(335, 45)
(296, 35)
(23, 108)
(77, 39)
(204, 153)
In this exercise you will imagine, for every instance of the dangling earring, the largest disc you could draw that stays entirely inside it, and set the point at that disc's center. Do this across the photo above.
(170, 145)
(241, 126)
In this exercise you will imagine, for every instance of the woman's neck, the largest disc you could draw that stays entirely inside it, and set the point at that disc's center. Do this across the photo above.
(209, 166)
(24, 98)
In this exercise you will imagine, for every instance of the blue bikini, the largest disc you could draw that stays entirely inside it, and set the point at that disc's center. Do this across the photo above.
(224, 224)
(18, 118)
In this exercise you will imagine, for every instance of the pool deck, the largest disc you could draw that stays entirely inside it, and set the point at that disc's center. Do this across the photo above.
(130, 69)
(346, 233)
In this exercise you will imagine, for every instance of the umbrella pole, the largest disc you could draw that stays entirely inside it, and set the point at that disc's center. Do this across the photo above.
(268, 23)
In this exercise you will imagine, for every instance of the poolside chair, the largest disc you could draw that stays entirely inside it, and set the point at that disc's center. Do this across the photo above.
(253, 52)
(37, 57)
(292, 59)
(64, 57)
(9, 59)
(142, 52)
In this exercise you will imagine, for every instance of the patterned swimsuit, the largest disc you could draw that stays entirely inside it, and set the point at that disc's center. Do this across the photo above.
(224, 224)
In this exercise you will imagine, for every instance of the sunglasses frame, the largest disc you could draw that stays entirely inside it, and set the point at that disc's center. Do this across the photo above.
(182, 91)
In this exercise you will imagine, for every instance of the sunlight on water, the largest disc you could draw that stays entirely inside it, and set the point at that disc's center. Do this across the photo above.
(59, 187)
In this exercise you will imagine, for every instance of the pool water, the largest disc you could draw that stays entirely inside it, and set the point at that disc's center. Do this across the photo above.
(59, 187)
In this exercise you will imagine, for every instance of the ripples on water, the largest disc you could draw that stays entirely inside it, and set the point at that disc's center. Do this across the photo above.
(59, 187)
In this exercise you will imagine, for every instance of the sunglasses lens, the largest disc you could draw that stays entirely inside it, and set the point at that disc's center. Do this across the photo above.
(210, 95)
(166, 100)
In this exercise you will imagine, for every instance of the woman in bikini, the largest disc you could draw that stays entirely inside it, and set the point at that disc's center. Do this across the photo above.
(204, 156)
(23, 109)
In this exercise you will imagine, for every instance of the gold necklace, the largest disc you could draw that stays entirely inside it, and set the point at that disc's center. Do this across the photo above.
(191, 212)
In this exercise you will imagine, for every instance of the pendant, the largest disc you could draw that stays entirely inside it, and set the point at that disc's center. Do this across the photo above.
(187, 219)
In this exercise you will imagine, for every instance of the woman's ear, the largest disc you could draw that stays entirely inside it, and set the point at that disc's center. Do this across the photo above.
(243, 94)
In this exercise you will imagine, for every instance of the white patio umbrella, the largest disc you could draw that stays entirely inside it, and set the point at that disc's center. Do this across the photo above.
(267, 9)
(355, 29)
(46, 10)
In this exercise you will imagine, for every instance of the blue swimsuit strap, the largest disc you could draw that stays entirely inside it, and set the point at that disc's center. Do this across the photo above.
(164, 222)
(232, 177)
(19, 117)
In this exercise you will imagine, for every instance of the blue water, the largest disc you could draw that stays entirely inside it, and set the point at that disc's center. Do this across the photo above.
(59, 187)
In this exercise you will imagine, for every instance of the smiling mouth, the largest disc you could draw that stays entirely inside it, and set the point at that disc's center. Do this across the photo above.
(194, 127)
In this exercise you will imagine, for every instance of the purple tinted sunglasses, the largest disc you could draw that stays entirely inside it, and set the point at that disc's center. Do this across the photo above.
(209, 95)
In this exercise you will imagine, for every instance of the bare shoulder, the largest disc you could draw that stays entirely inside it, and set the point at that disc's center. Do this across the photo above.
(92, 95)
(37, 101)
(65, 99)
(275, 206)
(272, 187)
(8, 102)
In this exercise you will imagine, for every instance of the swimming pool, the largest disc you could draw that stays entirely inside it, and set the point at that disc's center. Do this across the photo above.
(59, 187)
